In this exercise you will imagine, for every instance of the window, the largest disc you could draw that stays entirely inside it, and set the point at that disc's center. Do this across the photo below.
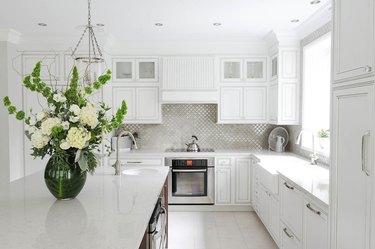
(316, 92)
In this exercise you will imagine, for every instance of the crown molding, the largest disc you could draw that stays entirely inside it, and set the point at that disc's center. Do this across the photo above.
(10, 35)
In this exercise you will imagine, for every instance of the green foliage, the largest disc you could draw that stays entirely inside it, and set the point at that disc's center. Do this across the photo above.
(56, 130)
(92, 162)
(88, 90)
(6, 101)
(72, 93)
(97, 85)
(322, 133)
(12, 109)
(120, 114)
(20, 115)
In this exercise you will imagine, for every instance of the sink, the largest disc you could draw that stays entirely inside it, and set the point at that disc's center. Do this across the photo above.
(137, 172)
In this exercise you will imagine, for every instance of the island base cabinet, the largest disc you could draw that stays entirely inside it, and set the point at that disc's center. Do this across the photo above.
(274, 218)
(288, 239)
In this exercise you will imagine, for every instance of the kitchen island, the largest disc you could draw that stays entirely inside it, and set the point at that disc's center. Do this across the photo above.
(110, 212)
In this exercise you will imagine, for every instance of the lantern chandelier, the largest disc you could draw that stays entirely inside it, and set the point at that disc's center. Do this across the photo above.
(94, 53)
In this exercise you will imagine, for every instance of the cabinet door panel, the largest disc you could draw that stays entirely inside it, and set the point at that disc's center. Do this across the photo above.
(274, 218)
(351, 159)
(289, 239)
(255, 103)
(255, 69)
(231, 69)
(353, 39)
(147, 70)
(315, 227)
(243, 177)
(124, 93)
(123, 70)
(147, 103)
(231, 103)
(223, 185)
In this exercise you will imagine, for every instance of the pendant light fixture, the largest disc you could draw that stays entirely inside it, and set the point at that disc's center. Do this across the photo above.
(92, 59)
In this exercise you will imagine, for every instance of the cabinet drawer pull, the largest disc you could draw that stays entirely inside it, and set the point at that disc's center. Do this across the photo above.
(134, 162)
(288, 234)
(368, 69)
(364, 153)
(312, 209)
(288, 186)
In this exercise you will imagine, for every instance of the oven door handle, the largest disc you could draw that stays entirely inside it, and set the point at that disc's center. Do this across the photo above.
(188, 170)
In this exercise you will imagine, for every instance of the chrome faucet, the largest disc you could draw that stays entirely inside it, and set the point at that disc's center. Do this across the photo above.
(117, 164)
(313, 157)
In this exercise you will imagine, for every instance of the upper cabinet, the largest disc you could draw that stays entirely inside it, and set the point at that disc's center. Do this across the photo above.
(133, 70)
(252, 69)
(50, 67)
(353, 39)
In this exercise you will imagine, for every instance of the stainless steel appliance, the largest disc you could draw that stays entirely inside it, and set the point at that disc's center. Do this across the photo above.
(156, 231)
(191, 180)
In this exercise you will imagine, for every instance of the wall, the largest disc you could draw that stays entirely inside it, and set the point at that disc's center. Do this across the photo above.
(182, 121)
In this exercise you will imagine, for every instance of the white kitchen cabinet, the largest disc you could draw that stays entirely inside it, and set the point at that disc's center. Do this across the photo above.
(291, 207)
(223, 184)
(288, 239)
(315, 226)
(353, 39)
(274, 218)
(264, 202)
(252, 69)
(233, 181)
(351, 171)
(135, 69)
(243, 181)
(241, 105)
(142, 102)
(137, 161)
(50, 66)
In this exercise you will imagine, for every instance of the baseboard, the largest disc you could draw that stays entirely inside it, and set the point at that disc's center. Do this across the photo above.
(210, 208)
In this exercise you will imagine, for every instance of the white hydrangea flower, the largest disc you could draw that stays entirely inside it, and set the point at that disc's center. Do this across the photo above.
(48, 124)
(64, 145)
(78, 137)
(52, 108)
(89, 116)
(39, 140)
(41, 115)
(59, 97)
(65, 125)
(32, 121)
(75, 109)
(31, 130)
(74, 119)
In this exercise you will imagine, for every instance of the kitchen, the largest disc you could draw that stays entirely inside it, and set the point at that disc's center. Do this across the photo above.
(232, 80)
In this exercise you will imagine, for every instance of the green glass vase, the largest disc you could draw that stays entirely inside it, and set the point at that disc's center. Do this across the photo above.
(66, 182)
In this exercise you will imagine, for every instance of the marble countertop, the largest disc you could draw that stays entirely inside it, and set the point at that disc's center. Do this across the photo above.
(110, 212)
(313, 180)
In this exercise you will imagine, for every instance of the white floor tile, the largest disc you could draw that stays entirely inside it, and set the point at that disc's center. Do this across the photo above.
(217, 230)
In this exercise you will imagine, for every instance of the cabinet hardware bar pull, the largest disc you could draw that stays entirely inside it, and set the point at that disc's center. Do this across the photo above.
(288, 234)
(287, 185)
(188, 170)
(364, 154)
(134, 162)
(312, 209)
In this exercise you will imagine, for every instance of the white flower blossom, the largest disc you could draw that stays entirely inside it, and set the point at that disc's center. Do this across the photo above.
(32, 121)
(74, 119)
(75, 109)
(59, 97)
(65, 125)
(39, 140)
(52, 108)
(89, 116)
(48, 124)
(41, 115)
(31, 130)
(78, 137)
(64, 145)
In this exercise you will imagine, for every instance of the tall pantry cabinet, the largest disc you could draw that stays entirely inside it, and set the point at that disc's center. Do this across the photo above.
(353, 126)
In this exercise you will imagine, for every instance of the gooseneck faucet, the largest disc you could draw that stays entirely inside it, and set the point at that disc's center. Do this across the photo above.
(313, 157)
(117, 164)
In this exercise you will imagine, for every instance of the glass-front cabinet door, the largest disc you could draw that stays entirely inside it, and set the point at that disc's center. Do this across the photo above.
(231, 70)
(133, 69)
(255, 69)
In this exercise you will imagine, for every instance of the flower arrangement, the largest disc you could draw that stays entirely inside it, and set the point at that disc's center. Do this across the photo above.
(70, 125)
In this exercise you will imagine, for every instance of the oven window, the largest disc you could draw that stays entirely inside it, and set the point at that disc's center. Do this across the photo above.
(189, 183)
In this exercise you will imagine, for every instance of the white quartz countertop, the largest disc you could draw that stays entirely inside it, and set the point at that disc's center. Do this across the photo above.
(110, 212)
(313, 180)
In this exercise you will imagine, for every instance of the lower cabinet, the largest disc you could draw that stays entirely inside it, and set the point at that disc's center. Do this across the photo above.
(315, 226)
(288, 239)
(233, 181)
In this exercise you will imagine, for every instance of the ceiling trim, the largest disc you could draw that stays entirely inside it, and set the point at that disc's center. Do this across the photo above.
(10, 35)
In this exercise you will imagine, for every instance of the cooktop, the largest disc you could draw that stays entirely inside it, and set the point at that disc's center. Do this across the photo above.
(184, 150)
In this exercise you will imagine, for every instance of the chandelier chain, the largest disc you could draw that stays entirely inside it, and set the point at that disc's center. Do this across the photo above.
(79, 42)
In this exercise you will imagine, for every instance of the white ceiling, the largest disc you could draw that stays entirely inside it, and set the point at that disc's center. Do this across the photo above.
(182, 19)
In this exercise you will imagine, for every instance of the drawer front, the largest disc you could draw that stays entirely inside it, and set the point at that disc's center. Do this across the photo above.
(139, 161)
(224, 161)
(291, 207)
(288, 239)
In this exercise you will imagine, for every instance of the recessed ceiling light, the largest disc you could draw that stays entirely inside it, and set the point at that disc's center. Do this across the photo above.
(100, 24)
(315, 2)
(294, 20)
(42, 24)
(216, 24)
(158, 24)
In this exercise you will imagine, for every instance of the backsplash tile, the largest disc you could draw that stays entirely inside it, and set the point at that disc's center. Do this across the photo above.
(181, 121)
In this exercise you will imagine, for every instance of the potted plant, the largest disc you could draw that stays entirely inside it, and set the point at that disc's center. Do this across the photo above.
(68, 130)
(323, 136)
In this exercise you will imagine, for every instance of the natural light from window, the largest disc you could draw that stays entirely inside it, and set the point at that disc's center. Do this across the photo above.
(316, 93)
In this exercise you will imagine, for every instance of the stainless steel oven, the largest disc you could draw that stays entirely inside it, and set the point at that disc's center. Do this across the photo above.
(191, 180)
